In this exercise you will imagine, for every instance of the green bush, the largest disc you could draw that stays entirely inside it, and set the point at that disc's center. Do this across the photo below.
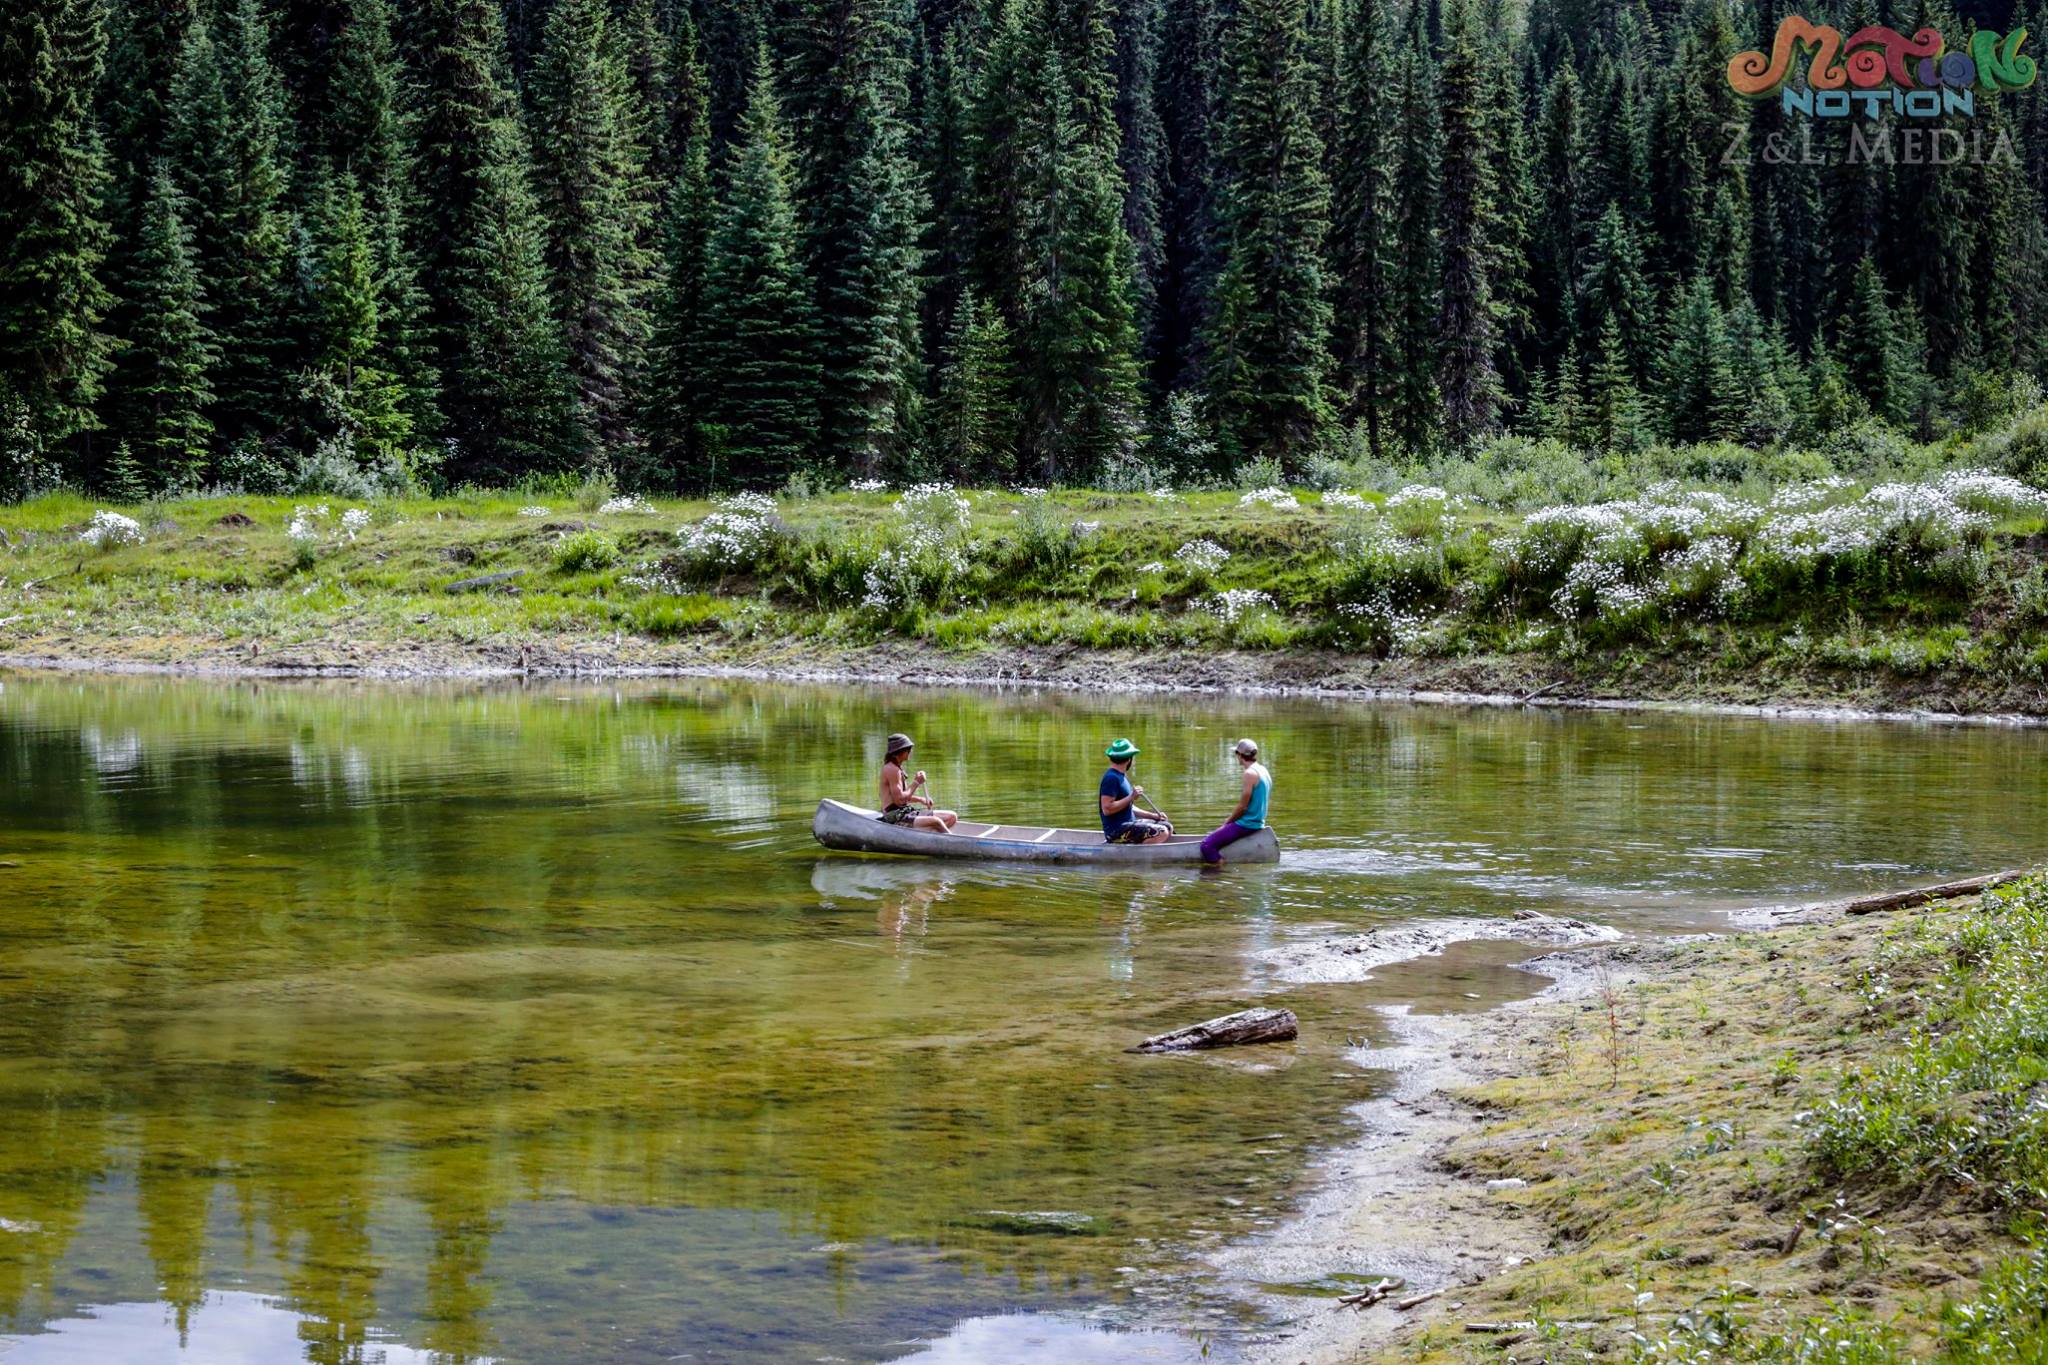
(586, 550)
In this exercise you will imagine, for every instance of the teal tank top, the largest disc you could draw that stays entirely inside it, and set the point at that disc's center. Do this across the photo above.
(1254, 816)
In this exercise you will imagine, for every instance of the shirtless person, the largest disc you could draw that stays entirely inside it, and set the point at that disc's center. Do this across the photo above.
(901, 805)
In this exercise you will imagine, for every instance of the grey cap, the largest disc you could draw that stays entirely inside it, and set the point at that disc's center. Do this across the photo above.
(1248, 748)
(895, 744)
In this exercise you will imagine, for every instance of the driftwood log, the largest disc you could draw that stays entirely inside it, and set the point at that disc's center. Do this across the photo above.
(1906, 900)
(482, 581)
(1246, 1026)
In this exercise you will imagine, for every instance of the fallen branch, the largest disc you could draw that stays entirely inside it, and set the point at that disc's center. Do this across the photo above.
(1416, 1300)
(1368, 1297)
(482, 581)
(1906, 900)
(1528, 697)
(1232, 1030)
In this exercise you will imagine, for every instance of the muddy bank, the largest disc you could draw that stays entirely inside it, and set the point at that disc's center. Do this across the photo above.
(1635, 1127)
(1640, 683)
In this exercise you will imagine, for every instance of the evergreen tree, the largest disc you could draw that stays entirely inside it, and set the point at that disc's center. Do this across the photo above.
(369, 401)
(590, 171)
(974, 427)
(1190, 59)
(1268, 352)
(760, 327)
(1142, 157)
(226, 142)
(863, 204)
(1511, 204)
(53, 355)
(1562, 242)
(1695, 386)
(1875, 352)
(1617, 289)
(1616, 418)
(1466, 323)
(1571, 415)
(1758, 361)
(503, 368)
(1412, 407)
(678, 384)
(162, 384)
(1362, 236)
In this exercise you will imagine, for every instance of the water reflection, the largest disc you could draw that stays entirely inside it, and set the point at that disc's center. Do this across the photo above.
(532, 1026)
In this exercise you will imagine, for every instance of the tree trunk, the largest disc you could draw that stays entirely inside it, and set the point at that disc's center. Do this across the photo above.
(1246, 1026)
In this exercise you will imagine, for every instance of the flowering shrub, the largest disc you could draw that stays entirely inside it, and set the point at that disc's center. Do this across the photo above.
(933, 512)
(355, 521)
(739, 530)
(1232, 604)
(629, 502)
(916, 572)
(1422, 509)
(1702, 576)
(868, 486)
(534, 510)
(1269, 497)
(109, 529)
(1341, 501)
(1202, 557)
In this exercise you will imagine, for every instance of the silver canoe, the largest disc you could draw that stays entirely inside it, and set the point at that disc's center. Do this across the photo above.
(854, 830)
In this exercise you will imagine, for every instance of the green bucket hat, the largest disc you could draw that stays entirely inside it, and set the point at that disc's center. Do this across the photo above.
(1123, 748)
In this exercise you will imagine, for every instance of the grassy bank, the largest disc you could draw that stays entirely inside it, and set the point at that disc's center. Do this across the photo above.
(1824, 1143)
(1923, 590)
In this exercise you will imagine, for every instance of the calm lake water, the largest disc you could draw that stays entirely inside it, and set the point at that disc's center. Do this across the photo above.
(529, 1024)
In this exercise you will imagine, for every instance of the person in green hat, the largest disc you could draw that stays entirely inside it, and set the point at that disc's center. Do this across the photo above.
(901, 804)
(1118, 798)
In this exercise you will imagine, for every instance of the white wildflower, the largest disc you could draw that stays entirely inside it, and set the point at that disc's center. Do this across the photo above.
(1031, 492)
(734, 534)
(868, 486)
(629, 502)
(1348, 502)
(1232, 604)
(1270, 497)
(111, 528)
(935, 512)
(533, 511)
(355, 521)
(1154, 567)
(1201, 556)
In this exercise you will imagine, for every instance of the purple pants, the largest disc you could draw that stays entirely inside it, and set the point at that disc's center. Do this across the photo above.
(1213, 845)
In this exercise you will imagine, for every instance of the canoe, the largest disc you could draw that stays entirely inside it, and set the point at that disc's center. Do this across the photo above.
(853, 829)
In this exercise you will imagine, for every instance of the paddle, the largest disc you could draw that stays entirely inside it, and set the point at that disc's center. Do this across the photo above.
(1154, 810)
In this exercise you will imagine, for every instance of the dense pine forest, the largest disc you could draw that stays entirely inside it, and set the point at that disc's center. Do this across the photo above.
(278, 244)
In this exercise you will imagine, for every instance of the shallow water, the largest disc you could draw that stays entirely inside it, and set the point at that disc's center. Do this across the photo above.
(529, 1024)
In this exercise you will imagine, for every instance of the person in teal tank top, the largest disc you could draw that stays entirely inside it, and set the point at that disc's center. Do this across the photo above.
(1250, 815)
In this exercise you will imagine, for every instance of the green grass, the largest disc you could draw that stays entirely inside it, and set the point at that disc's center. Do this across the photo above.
(1076, 569)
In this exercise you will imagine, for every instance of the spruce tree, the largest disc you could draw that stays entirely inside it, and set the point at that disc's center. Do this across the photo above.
(480, 245)
(1875, 351)
(226, 142)
(1511, 204)
(1757, 362)
(1616, 420)
(1412, 406)
(1142, 157)
(1268, 353)
(679, 386)
(162, 384)
(759, 321)
(1466, 324)
(1361, 246)
(1617, 289)
(1695, 386)
(975, 417)
(590, 174)
(1190, 59)
(370, 401)
(862, 209)
(1571, 415)
(1562, 242)
(53, 238)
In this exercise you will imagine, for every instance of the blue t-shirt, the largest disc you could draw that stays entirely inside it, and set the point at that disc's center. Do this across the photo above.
(1116, 787)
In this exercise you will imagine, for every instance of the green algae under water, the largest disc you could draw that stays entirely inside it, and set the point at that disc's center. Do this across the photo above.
(529, 1024)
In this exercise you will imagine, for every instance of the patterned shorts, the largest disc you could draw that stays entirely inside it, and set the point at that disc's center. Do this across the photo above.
(901, 815)
(1137, 832)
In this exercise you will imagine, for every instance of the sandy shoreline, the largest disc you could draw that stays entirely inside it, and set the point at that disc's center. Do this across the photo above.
(1067, 671)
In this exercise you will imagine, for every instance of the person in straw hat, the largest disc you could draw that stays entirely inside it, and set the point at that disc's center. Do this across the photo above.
(901, 804)
(1250, 815)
